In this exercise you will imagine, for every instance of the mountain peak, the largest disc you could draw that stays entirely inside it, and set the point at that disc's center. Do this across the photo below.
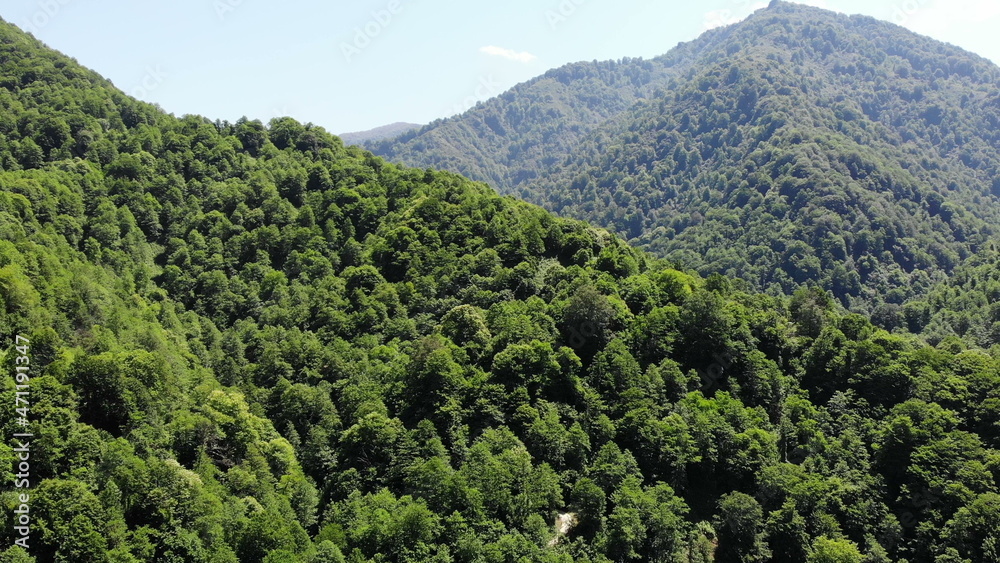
(786, 118)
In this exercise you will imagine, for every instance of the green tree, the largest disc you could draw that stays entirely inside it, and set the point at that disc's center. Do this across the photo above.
(587, 323)
(826, 550)
(741, 529)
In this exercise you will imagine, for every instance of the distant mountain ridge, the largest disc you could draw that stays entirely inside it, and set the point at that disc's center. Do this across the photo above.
(564, 105)
(378, 133)
(798, 146)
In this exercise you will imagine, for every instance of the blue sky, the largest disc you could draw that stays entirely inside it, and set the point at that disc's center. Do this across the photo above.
(355, 65)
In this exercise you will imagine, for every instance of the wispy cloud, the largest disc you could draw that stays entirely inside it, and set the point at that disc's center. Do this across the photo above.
(510, 54)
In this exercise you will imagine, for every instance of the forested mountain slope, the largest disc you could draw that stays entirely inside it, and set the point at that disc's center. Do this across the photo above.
(967, 305)
(510, 140)
(250, 343)
(798, 146)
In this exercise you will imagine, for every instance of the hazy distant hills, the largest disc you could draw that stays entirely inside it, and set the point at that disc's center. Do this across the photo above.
(797, 146)
(378, 133)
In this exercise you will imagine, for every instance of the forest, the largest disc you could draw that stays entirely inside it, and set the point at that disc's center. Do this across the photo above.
(252, 343)
(799, 147)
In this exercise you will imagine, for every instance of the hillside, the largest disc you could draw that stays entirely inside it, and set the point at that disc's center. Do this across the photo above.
(250, 343)
(510, 140)
(379, 133)
(799, 146)
(963, 307)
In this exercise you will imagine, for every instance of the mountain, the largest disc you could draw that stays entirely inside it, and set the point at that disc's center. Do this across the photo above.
(797, 147)
(379, 133)
(239, 342)
(509, 140)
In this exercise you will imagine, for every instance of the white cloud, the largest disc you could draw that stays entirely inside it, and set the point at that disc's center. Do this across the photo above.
(509, 54)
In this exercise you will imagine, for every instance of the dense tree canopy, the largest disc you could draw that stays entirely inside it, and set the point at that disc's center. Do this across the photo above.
(252, 343)
(797, 147)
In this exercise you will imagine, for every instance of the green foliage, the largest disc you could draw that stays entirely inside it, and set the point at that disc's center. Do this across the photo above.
(796, 148)
(741, 529)
(251, 343)
(826, 550)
